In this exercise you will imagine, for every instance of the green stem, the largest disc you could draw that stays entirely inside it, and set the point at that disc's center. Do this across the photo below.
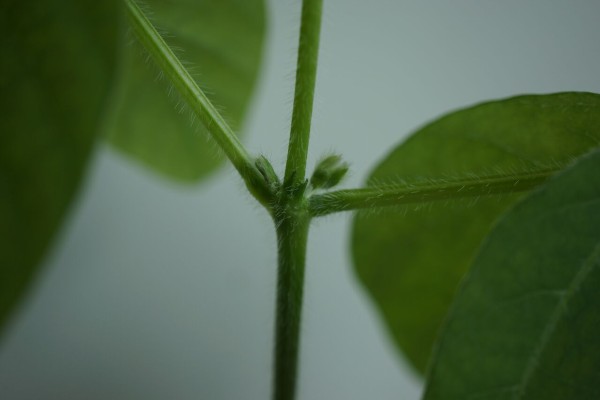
(197, 100)
(292, 233)
(291, 218)
(394, 195)
(306, 75)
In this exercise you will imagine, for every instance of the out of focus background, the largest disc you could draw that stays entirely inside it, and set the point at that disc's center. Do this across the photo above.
(156, 290)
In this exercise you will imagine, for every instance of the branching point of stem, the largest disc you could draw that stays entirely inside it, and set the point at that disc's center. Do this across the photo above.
(290, 214)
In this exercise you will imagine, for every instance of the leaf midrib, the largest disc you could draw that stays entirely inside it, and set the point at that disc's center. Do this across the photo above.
(561, 307)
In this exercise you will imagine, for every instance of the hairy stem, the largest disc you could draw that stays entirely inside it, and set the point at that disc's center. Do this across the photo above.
(393, 195)
(291, 218)
(292, 233)
(197, 100)
(306, 75)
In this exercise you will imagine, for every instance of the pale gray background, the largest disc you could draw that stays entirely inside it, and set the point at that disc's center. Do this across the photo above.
(157, 291)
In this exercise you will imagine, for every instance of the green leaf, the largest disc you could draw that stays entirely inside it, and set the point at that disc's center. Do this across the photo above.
(526, 321)
(221, 42)
(56, 66)
(411, 262)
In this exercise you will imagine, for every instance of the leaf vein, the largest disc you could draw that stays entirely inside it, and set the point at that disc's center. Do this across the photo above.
(572, 288)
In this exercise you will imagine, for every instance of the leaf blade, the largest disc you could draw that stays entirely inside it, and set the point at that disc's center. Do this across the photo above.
(527, 317)
(415, 258)
(57, 66)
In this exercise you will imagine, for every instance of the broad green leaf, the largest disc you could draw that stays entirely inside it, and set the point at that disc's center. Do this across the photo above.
(221, 42)
(411, 261)
(526, 321)
(56, 66)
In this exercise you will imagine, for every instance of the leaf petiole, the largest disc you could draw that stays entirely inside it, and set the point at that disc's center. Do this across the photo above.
(394, 195)
(220, 131)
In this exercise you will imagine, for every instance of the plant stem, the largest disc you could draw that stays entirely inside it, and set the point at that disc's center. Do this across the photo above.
(292, 233)
(393, 195)
(197, 100)
(290, 215)
(306, 75)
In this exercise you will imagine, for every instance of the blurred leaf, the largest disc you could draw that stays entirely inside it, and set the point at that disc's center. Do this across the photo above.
(411, 262)
(56, 65)
(526, 321)
(221, 42)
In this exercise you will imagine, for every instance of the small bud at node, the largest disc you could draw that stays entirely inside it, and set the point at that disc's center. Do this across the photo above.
(266, 170)
(329, 171)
